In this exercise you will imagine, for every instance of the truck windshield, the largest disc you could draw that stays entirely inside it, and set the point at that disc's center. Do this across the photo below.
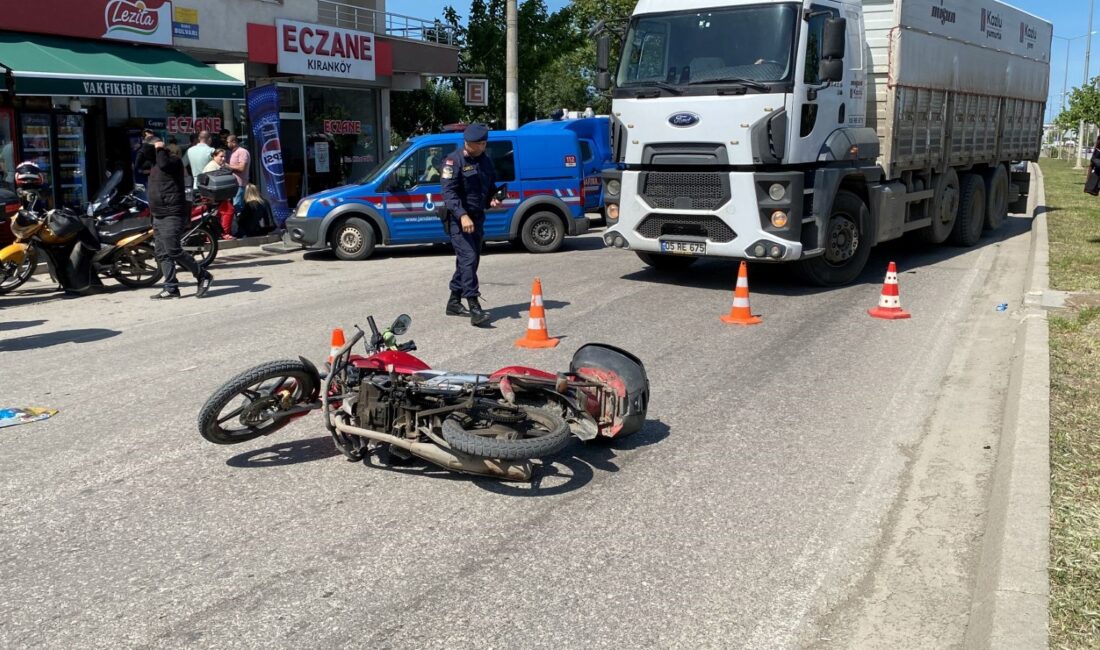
(376, 172)
(737, 45)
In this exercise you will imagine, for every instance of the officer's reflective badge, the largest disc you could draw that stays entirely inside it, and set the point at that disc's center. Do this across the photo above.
(448, 169)
(468, 168)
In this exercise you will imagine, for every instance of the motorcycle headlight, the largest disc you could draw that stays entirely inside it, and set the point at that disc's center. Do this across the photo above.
(303, 207)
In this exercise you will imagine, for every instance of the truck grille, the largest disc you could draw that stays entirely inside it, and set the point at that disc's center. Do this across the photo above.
(709, 226)
(685, 191)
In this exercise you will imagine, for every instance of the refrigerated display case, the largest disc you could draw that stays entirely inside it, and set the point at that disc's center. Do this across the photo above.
(71, 163)
(36, 146)
(7, 149)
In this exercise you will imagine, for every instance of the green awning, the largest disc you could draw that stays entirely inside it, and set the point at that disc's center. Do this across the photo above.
(48, 65)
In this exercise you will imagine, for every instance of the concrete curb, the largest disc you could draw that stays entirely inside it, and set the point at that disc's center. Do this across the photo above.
(1011, 592)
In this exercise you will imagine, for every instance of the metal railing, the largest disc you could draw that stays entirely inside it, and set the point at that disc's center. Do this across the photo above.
(339, 14)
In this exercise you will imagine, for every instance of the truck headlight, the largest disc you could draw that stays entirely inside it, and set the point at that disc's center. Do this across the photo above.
(777, 192)
(614, 187)
(303, 207)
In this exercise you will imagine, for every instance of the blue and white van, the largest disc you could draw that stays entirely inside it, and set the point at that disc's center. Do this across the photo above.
(551, 168)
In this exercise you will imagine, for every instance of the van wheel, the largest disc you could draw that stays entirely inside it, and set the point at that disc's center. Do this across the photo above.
(945, 208)
(971, 219)
(353, 239)
(543, 232)
(847, 246)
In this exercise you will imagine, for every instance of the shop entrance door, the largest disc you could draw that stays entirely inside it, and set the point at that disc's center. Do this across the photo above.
(292, 139)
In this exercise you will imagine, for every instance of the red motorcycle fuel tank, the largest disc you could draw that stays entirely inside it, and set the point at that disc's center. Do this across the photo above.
(403, 363)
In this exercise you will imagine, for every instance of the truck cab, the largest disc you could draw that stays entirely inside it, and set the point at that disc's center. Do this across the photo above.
(543, 164)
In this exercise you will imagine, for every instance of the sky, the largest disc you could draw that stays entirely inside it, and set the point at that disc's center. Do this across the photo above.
(1070, 18)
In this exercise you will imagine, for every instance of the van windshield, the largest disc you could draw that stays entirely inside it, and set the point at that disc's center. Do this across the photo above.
(376, 172)
(753, 44)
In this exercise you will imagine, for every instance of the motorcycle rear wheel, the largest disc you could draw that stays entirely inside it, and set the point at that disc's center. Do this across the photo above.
(137, 267)
(13, 276)
(540, 433)
(244, 407)
(201, 245)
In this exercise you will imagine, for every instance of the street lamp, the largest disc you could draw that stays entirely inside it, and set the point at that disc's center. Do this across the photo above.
(1088, 51)
(1065, 79)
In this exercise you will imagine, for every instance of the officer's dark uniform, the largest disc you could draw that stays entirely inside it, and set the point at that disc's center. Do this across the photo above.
(469, 184)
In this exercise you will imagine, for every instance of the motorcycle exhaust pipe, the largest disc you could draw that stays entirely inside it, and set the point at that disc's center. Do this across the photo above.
(447, 458)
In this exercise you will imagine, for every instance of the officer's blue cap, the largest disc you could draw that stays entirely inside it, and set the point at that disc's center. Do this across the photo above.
(476, 133)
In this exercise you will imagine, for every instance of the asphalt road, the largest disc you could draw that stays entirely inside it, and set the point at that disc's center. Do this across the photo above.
(741, 516)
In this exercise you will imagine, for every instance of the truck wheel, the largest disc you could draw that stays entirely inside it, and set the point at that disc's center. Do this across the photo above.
(666, 262)
(996, 192)
(971, 219)
(846, 245)
(543, 232)
(945, 208)
(353, 239)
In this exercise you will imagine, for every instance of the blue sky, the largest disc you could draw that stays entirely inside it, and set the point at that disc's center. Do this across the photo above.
(1070, 18)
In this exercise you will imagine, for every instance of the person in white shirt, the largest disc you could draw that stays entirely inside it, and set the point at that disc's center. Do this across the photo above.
(198, 155)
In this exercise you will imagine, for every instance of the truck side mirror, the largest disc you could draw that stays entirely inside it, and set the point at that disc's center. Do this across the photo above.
(830, 70)
(603, 80)
(835, 38)
(603, 52)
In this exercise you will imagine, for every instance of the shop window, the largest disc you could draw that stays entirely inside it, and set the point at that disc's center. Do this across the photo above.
(342, 129)
(422, 167)
(502, 153)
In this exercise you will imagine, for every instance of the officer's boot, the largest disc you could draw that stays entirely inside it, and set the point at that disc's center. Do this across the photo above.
(477, 314)
(455, 306)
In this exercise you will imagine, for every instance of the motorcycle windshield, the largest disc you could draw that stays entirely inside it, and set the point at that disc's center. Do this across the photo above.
(108, 188)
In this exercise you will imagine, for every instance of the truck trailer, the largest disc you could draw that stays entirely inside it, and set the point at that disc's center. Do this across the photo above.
(810, 131)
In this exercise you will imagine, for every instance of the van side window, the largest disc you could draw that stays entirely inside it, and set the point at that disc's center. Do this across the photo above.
(421, 167)
(503, 155)
(814, 41)
(586, 151)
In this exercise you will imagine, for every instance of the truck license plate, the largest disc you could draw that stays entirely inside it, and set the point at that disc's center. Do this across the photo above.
(684, 247)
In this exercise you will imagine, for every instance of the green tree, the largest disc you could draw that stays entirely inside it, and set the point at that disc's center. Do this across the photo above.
(425, 110)
(1084, 104)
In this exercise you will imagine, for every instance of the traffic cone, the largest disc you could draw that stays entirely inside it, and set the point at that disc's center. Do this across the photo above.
(337, 343)
(889, 303)
(741, 314)
(537, 336)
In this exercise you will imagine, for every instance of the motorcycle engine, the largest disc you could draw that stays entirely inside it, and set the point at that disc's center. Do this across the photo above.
(375, 408)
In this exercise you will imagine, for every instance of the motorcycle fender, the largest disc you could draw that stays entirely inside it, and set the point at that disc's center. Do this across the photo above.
(14, 253)
(316, 387)
(134, 240)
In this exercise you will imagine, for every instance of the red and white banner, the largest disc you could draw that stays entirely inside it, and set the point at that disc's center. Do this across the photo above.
(139, 21)
(324, 51)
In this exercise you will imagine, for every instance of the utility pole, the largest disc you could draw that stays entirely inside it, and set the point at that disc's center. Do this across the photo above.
(511, 74)
(1081, 127)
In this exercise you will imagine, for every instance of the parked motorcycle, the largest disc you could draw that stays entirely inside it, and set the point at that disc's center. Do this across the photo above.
(18, 258)
(198, 239)
(389, 402)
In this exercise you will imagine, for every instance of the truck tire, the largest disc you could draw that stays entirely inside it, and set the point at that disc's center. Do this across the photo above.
(542, 232)
(353, 239)
(972, 212)
(846, 245)
(996, 192)
(945, 208)
(663, 262)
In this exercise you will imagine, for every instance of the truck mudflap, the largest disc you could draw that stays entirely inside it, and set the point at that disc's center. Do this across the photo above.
(625, 399)
(1019, 185)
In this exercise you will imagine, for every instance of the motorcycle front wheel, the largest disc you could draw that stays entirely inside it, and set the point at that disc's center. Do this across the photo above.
(137, 267)
(486, 434)
(250, 405)
(201, 245)
(12, 276)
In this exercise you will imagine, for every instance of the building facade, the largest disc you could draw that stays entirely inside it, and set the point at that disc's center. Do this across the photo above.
(83, 78)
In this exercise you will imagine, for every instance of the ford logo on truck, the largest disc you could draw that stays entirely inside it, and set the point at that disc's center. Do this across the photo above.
(683, 120)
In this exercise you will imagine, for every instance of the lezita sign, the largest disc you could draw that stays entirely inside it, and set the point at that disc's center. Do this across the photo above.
(143, 21)
(324, 51)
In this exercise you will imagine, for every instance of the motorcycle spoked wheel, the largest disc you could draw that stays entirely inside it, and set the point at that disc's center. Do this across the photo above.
(540, 433)
(137, 267)
(13, 276)
(246, 406)
(201, 245)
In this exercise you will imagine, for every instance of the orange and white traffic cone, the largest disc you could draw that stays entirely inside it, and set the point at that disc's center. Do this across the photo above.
(741, 314)
(338, 342)
(537, 336)
(889, 303)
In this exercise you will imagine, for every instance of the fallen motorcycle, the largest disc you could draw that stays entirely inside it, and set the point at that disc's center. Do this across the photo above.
(391, 403)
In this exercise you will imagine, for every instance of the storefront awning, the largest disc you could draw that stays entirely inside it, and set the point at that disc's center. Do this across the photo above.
(47, 65)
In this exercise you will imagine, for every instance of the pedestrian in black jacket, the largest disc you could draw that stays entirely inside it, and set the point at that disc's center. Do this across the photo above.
(171, 212)
(1092, 182)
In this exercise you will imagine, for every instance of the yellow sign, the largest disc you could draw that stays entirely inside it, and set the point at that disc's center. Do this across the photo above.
(184, 15)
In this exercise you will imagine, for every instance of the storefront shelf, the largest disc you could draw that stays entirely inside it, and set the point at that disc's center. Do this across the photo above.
(35, 150)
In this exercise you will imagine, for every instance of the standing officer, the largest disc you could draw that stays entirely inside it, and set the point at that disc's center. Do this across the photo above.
(469, 188)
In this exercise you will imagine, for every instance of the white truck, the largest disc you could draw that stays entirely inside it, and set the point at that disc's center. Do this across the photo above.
(809, 131)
